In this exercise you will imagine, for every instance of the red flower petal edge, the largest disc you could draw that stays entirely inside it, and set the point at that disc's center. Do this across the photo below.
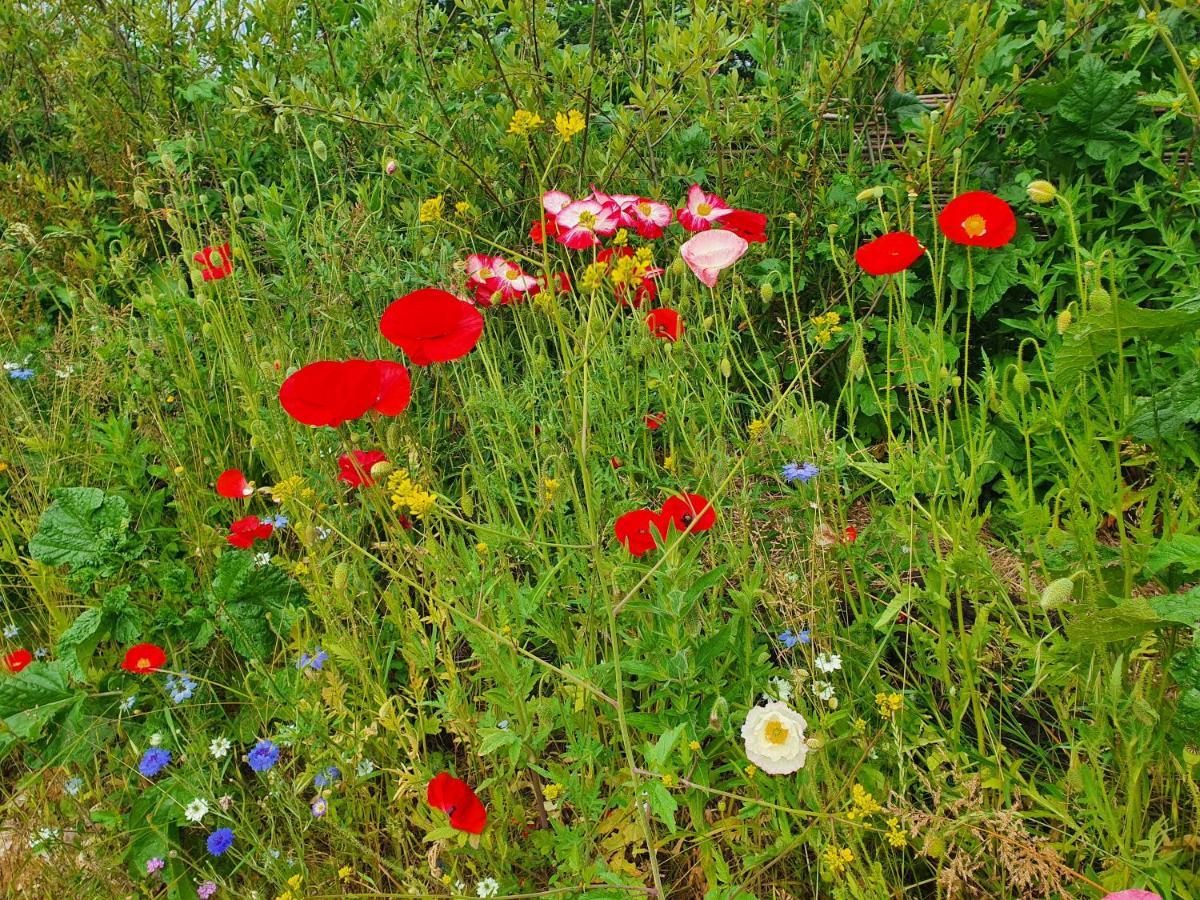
(245, 531)
(682, 511)
(233, 484)
(664, 323)
(454, 796)
(143, 659)
(356, 467)
(635, 531)
(431, 326)
(17, 660)
(889, 254)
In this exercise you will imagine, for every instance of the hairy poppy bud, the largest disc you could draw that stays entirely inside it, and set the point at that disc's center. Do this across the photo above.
(341, 574)
(720, 711)
(1100, 299)
(394, 435)
(1056, 593)
(767, 292)
(381, 469)
(726, 368)
(871, 193)
(1021, 382)
(858, 362)
(1041, 191)
(1063, 321)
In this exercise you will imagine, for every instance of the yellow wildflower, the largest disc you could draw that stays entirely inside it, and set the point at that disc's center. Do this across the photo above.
(593, 276)
(569, 124)
(756, 428)
(669, 462)
(552, 791)
(895, 834)
(694, 745)
(621, 238)
(407, 495)
(523, 121)
(295, 881)
(292, 487)
(751, 771)
(864, 804)
(481, 547)
(837, 861)
(889, 704)
(550, 487)
(668, 780)
(431, 209)
(345, 872)
(462, 207)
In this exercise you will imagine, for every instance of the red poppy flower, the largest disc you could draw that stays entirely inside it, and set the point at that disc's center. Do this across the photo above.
(454, 796)
(215, 262)
(245, 531)
(851, 534)
(233, 484)
(143, 659)
(356, 467)
(749, 226)
(432, 326)
(17, 660)
(615, 462)
(654, 421)
(891, 253)
(978, 219)
(665, 323)
(541, 228)
(635, 531)
(331, 392)
(681, 511)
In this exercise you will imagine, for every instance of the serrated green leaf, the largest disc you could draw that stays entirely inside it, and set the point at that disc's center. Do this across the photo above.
(1182, 609)
(662, 803)
(1104, 331)
(1128, 619)
(76, 644)
(80, 528)
(1166, 412)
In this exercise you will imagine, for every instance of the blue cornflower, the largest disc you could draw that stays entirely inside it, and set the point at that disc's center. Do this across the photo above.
(181, 689)
(328, 777)
(220, 841)
(20, 374)
(790, 639)
(263, 757)
(315, 660)
(804, 473)
(74, 786)
(154, 761)
(276, 521)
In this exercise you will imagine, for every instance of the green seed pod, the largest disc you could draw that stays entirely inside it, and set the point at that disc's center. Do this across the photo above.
(381, 470)
(341, 574)
(767, 291)
(1056, 593)
(1063, 321)
(726, 368)
(1100, 299)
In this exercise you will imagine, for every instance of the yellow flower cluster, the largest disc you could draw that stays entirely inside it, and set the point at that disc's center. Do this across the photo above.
(552, 791)
(291, 488)
(408, 496)
(837, 860)
(825, 326)
(345, 872)
(864, 804)
(593, 276)
(895, 834)
(889, 704)
(550, 488)
(431, 210)
(463, 207)
(630, 270)
(569, 124)
(523, 121)
(756, 428)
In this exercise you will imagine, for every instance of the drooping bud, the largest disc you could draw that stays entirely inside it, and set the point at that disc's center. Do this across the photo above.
(871, 193)
(1056, 593)
(1041, 191)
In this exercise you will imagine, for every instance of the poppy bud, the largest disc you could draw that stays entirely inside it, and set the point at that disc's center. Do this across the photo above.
(858, 362)
(206, 329)
(1021, 382)
(390, 167)
(956, 381)
(251, 202)
(726, 368)
(871, 193)
(467, 503)
(1056, 593)
(815, 742)
(381, 469)
(720, 710)
(341, 574)
(1100, 299)
(1063, 321)
(708, 322)
(767, 292)
(615, 463)
(1041, 191)
(832, 228)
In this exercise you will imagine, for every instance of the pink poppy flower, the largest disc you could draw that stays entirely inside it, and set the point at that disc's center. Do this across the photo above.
(554, 202)
(493, 279)
(702, 209)
(1132, 894)
(513, 284)
(711, 252)
(650, 217)
(581, 224)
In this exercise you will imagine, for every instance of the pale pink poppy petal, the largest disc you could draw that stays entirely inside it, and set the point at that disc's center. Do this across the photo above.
(711, 252)
(1133, 894)
(554, 201)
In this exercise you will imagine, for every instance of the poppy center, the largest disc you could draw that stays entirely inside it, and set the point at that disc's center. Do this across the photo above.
(644, 209)
(512, 274)
(975, 226)
(703, 209)
(143, 662)
(687, 519)
(485, 273)
(586, 219)
(776, 733)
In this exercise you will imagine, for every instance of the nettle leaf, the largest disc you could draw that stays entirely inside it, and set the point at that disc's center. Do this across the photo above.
(76, 644)
(1165, 413)
(662, 803)
(82, 527)
(253, 604)
(1187, 713)
(1185, 667)
(1181, 550)
(1104, 331)
(32, 699)
(1128, 619)
(1096, 103)
(1178, 609)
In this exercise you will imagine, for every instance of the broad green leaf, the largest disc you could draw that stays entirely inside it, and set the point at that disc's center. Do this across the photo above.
(76, 644)
(1181, 550)
(1181, 609)
(80, 528)
(1166, 412)
(1128, 619)
(662, 803)
(1105, 331)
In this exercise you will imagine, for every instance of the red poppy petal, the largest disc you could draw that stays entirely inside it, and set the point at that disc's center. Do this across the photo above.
(330, 392)
(635, 531)
(144, 659)
(233, 484)
(454, 796)
(748, 225)
(889, 254)
(395, 388)
(681, 511)
(664, 323)
(17, 660)
(431, 325)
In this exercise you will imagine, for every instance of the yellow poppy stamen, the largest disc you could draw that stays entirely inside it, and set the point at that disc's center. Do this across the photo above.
(975, 226)
(776, 733)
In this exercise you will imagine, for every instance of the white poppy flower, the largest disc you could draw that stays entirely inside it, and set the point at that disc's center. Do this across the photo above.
(774, 736)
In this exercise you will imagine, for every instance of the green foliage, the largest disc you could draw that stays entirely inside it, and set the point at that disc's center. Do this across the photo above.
(84, 529)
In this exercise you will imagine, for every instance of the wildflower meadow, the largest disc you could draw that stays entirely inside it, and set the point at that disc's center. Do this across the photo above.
(713, 449)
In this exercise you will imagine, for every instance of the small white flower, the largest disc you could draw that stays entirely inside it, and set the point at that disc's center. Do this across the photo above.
(774, 736)
(489, 887)
(11, 631)
(828, 662)
(823, 690)
(365, 768)
(127, 703)
(782, 690)
(262, 559)
(196, 811)
(156, 739)
(219, 747)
